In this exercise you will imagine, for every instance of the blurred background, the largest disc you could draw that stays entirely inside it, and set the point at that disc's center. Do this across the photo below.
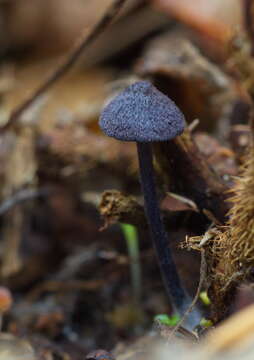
(67, 266)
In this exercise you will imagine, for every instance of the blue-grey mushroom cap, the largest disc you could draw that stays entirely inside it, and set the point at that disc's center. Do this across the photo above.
(142, 113)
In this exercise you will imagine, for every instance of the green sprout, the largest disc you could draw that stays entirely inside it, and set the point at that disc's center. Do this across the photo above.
(131, 237)
(164, 319)
(206, 323)
(204, 298)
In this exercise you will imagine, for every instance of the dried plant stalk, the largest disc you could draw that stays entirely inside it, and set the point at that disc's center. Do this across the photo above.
(230, 249)
(240, 249)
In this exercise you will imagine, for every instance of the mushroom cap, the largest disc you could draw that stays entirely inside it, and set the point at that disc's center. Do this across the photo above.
(142, 113)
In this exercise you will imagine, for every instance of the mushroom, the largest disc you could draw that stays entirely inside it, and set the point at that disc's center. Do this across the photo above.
(141, 113)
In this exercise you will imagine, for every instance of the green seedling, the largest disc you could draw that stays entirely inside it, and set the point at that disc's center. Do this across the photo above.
(131, 237)
(205, 323)
(204, 298)
(166, 320)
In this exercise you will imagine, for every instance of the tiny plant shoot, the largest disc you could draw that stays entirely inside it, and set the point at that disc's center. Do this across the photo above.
(204, 298)
(131, 237)
(206, 323)
(167, 320)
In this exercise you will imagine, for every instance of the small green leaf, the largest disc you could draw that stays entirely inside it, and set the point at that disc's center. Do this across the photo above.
(164, 319)
(204, 298)
(206, 323)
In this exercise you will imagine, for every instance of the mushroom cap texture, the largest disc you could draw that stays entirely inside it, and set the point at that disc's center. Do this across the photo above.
(142, 113)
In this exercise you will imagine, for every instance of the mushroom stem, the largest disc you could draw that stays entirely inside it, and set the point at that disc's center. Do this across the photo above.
(180, 299)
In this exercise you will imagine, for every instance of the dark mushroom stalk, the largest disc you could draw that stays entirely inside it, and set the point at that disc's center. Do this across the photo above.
(167, 265)
(143, 114)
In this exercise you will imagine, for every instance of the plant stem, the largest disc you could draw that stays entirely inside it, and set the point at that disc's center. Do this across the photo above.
(131, 237)
(174, 288)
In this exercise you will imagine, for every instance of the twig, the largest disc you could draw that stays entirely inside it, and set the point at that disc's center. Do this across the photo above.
(203, 271)
(20, 196)
(115, 207)
(248, 19)
(186, 172)
(64, 286)
(66, 65)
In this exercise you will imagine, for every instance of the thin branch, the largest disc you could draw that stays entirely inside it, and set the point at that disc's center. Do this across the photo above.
(186, 172)
(67, 64)
(248, 19)
(117, 207)
(203, 271)
(21, 196)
